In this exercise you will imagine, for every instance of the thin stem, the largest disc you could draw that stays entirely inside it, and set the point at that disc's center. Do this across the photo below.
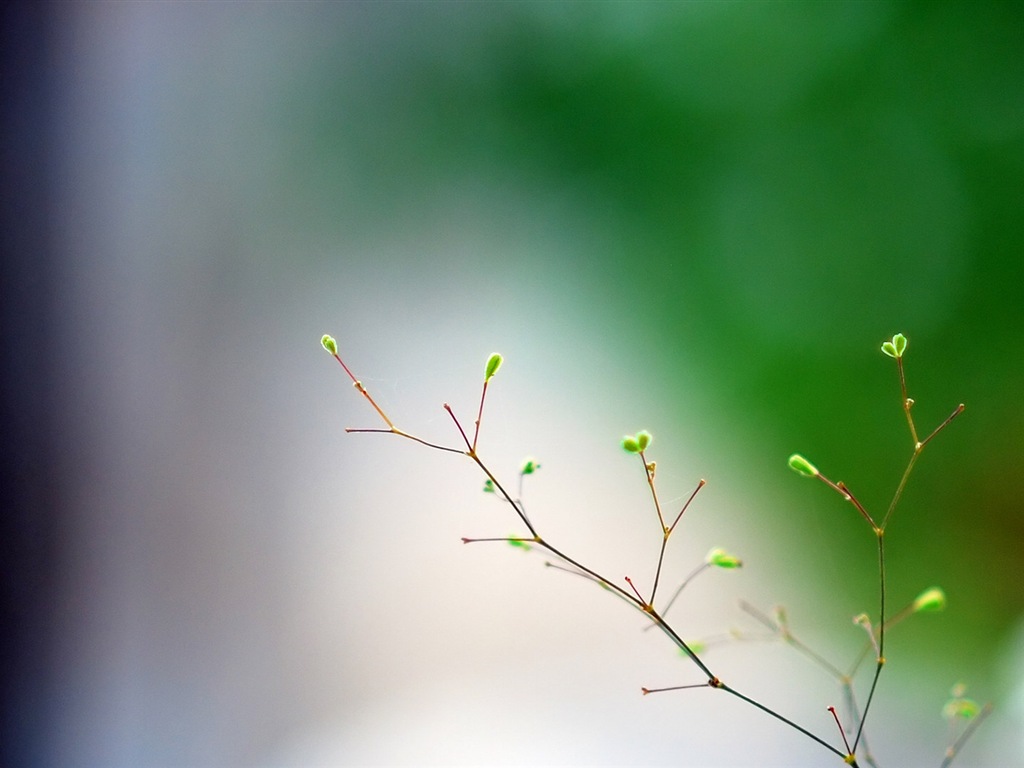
(523, 539)
(462, 432)
(954, 749)
(851, 705)
(399, 433)
(661, 560)
(847, 495)
(853, 500)
(789, 638)
(654, 492)
(666, 532)
(918, 447)
(359, 385)
(813, 655)
(501, 489)
(479, 416)
(881, 635)
(664, 627)
(699, 569)
(646, 691)
(679, 517)
(786, 720)
(639, 597)
(956, 412)
(907, 402)
(842, 731)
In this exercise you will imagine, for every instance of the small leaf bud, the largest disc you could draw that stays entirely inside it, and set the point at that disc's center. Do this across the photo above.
(493, 364)
(630, 444)
(899, 341)
(960, 707)
(519, 544)
(801, 465)
(722, 559)
(643, 439)
(529, 466)
(896, 347)
(488, 485)
(329, 344)
(933, 599)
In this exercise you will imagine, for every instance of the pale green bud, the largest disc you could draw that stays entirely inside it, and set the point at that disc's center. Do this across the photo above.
(933, 599)
(960, 707)
(896, 347)
(801, 465)
(493, 364)
(529, 466)
(329, 344)
(722, 559)
(630, 444)
(643, 439)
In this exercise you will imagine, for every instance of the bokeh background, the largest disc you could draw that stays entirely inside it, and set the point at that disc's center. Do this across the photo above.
(696, 218)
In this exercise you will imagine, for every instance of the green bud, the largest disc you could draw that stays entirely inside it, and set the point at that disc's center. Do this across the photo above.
(329, 344)
(933, 599)
(696, 646)
(630, 444)
(643, 439)
(529, 466)
(519, 544)
(722, 559)
(896, 347)
(493, 364)
(488, 485)
(960, 707)
(801, 465)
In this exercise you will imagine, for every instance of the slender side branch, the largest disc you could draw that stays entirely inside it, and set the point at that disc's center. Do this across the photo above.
(399, 433)
(907, 402)
(956, 412)
(786, 720)
(954, 749)
(881, 637)
(358, 384)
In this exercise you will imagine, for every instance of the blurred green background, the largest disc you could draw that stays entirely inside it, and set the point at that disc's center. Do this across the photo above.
(698, 218)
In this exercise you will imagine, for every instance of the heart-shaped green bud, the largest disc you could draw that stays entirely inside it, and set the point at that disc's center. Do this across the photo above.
(630, 444)
(329, 344)
(900, 342)
(896, 347)
(488, 485)
(529, 466)
(719, 558)
(960, 707)
(643, 439)
(801, 465)
(933, 599)
(493, 364)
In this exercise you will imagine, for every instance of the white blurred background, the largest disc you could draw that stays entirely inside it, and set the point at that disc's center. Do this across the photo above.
(240, 583)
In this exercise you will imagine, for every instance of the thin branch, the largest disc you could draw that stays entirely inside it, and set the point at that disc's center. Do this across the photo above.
(954, 749)
(399, 433)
